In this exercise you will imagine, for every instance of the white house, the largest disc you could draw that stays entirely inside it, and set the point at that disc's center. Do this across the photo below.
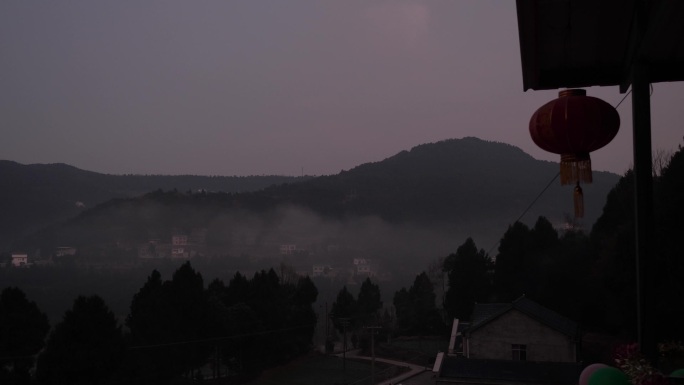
(19, 259)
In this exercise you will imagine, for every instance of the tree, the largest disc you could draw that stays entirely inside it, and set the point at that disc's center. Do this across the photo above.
(469, 281)
(302, 317)
(171, 313)
(87, 347)
(510, 263)
(614, 268)
(368, 302)
(525, 256)
(417, 312)
(343, 309)
(23, 328)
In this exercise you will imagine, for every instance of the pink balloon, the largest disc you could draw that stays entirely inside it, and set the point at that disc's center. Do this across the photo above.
(588, 371)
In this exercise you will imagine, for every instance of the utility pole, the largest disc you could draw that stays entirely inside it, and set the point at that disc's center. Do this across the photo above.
(373, 330)
(345, 322)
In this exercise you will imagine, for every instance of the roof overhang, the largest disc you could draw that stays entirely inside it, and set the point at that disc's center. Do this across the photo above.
(583, 43)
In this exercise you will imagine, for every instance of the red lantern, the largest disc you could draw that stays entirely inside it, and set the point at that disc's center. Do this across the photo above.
(573, 126)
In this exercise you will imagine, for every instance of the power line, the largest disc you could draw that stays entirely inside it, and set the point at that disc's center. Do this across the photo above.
(625, 97)
(529, 206)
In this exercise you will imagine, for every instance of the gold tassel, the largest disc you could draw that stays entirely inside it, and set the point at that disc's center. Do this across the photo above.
(579, 201)
(575, 168)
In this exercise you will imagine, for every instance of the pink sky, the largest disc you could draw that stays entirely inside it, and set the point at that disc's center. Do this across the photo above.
(271, 87)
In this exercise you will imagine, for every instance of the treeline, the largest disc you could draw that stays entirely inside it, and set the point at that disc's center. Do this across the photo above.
(590, 278)
(176, 329)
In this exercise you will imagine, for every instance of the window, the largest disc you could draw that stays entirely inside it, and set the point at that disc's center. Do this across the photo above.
(519, 352)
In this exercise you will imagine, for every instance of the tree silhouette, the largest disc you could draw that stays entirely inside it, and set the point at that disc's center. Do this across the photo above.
(171, 315)
(344, 308)
(417, 312)
(469, 280)
(368, 302)
(23, 328)
(87, 347)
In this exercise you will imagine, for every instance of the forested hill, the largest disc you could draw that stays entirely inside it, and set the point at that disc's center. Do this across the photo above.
(465, 187)
(458, 181)
(35, 195)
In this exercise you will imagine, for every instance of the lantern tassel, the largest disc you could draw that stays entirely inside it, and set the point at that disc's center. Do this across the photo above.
(575, 168)
(579, 201)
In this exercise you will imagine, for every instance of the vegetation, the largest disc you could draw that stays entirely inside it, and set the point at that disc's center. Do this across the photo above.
(23, 328)
(416, 310)
(469, 280)
(36, 195)
(179, 328)
(175, 328)
(87, 347)
(450, 183)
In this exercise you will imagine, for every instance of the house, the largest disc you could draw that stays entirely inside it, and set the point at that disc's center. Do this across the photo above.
(288, 249)
(179, 240)
(62, 251)
(364, 266)
(521, 331)
(20, 259)
(179, 246)
(515, 343)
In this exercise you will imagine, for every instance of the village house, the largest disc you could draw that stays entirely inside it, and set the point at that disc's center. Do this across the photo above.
(521, 330)
(288, 249)
(514, 343)
(322, 270)
(364, 267)
(20, 260)
(62, 251)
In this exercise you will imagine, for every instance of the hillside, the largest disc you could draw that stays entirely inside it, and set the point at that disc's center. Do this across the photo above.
(454, 181)
(417, 204)
(36, 195)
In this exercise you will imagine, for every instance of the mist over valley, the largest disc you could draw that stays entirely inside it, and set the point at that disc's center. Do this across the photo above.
(396, 217)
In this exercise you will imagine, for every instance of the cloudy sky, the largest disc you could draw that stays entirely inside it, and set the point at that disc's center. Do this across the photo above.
(272, 87)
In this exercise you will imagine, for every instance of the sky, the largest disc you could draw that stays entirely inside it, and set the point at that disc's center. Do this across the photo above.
(273, 87)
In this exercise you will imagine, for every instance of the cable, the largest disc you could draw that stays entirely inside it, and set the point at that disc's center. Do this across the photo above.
(529, 206)
(627, 94)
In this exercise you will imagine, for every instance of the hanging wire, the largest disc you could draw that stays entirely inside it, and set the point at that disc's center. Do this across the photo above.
(529, 206)
(627, 94)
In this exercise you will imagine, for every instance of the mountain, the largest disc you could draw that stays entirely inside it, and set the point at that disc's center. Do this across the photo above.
(454, 181)
(418, 203)
(36, 195)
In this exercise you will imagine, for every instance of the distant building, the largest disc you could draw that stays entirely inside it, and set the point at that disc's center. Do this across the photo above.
(364, 266)
(179, 240)
(288, 249)
(64, 250)
(179, 246)
(20, 260)
(322, 270)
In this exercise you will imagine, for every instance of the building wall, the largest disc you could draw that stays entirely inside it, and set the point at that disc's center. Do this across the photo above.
(19, 260)
(495, 339)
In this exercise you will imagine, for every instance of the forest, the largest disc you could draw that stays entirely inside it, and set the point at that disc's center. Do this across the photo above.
(178, 328)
